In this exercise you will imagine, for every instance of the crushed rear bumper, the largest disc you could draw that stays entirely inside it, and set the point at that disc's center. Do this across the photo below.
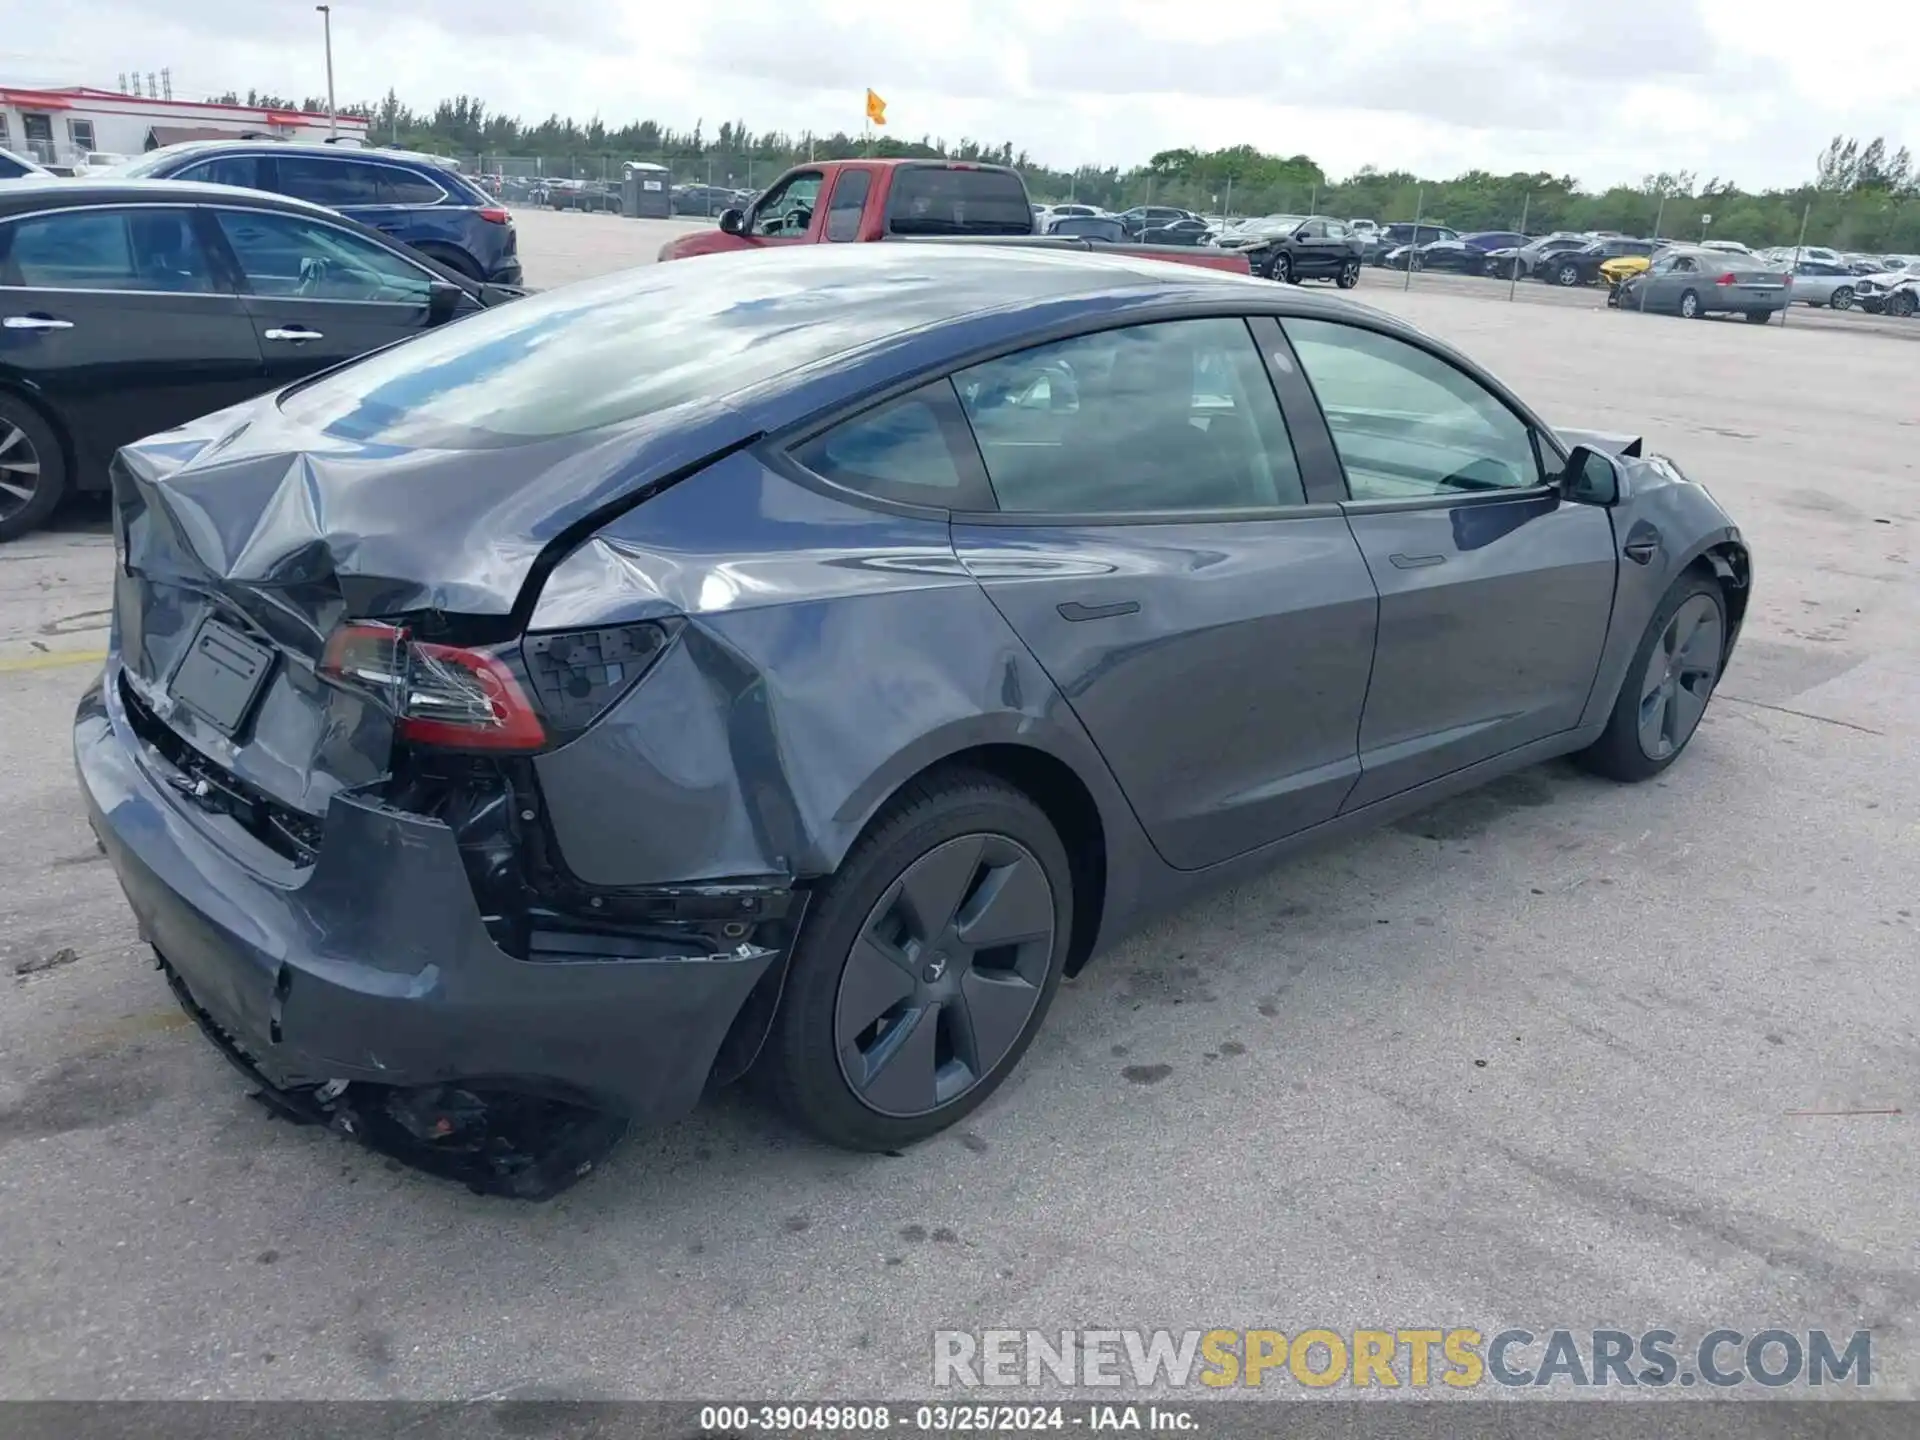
(373, 966)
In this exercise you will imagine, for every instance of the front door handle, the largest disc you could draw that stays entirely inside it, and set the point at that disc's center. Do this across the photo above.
(1641, 549)
(35, 322)
(1416, 562)
(297, 334)
(1074, 610)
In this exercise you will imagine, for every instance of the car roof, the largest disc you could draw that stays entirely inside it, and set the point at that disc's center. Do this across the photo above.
(33, 192)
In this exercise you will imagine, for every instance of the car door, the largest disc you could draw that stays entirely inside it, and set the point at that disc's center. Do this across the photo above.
(785, 213)
(118, 316)
(1208, 616)
(318, 293)
(1495, 591)
(1309, 249)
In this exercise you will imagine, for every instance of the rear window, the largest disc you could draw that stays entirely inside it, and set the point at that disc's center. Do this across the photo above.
(610, 351)
(938, 200)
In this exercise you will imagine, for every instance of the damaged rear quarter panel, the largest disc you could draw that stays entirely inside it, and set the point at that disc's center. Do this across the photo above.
(831, 653)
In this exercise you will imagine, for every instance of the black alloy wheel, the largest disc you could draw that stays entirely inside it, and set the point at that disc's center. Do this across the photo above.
(925, 967)
(1667, 688)
(1349, 275)
(945, 975)
(1282, 270)
(32, 469)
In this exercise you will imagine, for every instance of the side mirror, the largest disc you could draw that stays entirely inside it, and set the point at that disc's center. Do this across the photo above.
(733, 221)
(1591, 477)
(443, 300)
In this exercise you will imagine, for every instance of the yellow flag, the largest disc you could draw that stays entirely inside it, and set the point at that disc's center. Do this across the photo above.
(876, 109)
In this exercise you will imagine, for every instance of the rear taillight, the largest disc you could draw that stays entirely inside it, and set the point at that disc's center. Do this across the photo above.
(1727, 279)
(495, 214)
(444, 696)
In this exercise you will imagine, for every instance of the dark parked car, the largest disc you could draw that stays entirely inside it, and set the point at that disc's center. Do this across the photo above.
(703, 199)
(1466, 255)
(1089, 227)
(1518, 261)
(761, 662)
(1314, 247)
(1392, 237)
(18, 167)
(1190, 231)
(410, 198)
(1142, 218)
(127, 307)
(1582, 266)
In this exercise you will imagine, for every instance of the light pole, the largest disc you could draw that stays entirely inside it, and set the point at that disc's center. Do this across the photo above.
(333, 118)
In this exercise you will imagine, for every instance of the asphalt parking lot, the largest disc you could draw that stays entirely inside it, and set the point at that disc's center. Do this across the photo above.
(1558, 1053)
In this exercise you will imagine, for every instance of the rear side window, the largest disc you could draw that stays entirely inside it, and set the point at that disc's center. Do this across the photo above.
(1173, 417)
(151, 250)
(936, 200)
(329, 182)
(897, 451)
(395, 186)
(848, 204)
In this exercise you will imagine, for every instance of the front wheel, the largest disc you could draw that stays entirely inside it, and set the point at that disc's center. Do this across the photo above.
(1668, 684)
(1282, 270)
(925, 967)
(1690, 306)
(1901, 303)
(1349, 275)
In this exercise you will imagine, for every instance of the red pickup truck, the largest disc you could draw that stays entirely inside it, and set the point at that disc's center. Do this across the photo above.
(852, 200)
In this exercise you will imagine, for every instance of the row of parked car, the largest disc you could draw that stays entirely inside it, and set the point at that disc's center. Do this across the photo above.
(136, 298)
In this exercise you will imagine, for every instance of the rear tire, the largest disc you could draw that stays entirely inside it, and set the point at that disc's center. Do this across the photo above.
(1669, 699)
(454, 260)
(958, 843)
(33, 469)
(1349, 275)
(1567, 275)
(1842, 299)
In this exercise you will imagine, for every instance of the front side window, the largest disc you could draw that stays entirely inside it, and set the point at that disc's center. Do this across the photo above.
(135, 249)
(849, 204)
(787, 209)
(1172, 417)
(897, 451)
(241, 170)
(292, 256)
(1406, 423)
(328, 182)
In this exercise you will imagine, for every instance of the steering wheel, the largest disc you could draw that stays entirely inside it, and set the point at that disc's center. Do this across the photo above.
(797, 219)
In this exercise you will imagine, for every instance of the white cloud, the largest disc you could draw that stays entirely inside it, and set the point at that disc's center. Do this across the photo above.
(1742, 89)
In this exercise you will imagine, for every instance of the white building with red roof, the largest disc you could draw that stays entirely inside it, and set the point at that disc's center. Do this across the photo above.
(62, 126)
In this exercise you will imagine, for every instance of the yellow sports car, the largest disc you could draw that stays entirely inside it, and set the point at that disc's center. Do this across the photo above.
(1623, 267)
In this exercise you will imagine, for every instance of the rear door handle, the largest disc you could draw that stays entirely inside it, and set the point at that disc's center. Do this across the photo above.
(295, 333)
(1074, 610)
(35, 322)
(1416, 562)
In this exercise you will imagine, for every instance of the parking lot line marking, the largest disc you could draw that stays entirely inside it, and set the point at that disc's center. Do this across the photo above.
(1801, 714)
(55, 660)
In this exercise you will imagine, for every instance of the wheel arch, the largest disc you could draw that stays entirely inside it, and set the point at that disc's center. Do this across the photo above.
(69, 452)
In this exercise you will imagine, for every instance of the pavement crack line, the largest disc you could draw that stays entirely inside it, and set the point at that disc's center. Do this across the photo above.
(1801, 714)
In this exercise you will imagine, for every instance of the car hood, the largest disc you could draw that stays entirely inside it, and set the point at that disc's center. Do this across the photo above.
(303, 528)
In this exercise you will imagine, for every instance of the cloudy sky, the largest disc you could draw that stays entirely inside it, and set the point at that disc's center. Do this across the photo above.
(1747, 90)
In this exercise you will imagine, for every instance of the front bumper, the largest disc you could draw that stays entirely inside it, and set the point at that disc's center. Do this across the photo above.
(373, 965)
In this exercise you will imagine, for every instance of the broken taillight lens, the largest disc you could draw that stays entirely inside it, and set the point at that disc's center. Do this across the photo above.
(445, 696)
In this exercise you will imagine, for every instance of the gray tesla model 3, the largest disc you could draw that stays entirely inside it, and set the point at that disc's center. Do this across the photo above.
(796, 662)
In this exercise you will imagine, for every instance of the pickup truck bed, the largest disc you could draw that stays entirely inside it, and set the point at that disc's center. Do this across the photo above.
(936, 201)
